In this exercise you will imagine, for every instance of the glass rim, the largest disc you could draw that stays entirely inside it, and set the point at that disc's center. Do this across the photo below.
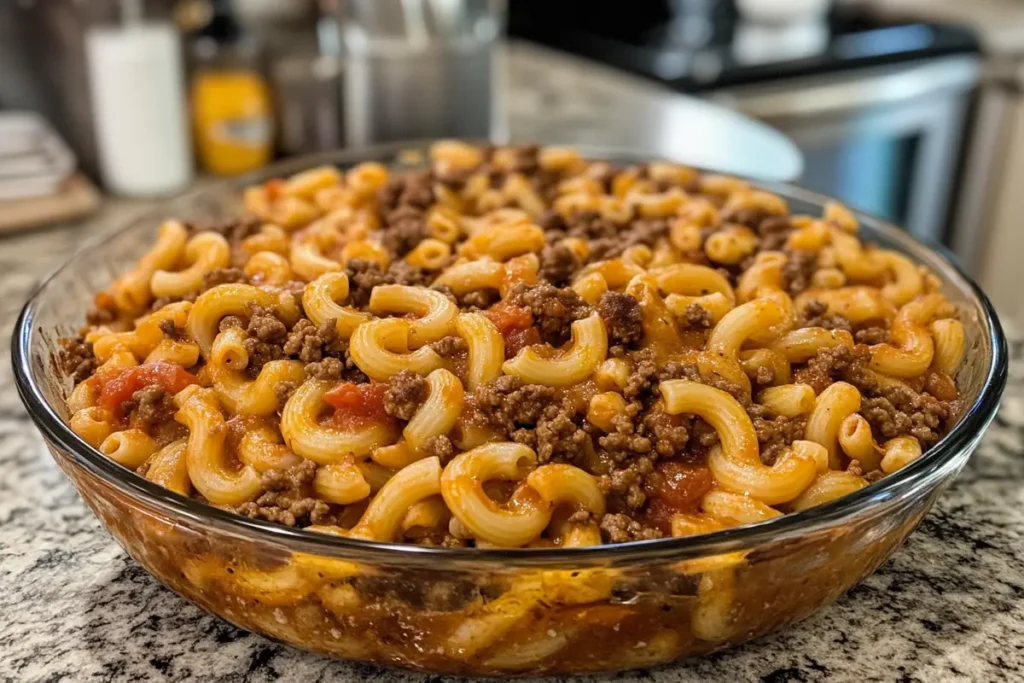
(935, 462)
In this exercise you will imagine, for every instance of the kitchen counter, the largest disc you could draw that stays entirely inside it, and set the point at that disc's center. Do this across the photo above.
(949, 606)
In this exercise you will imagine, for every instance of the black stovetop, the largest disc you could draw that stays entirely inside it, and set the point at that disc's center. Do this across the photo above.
(697, 50)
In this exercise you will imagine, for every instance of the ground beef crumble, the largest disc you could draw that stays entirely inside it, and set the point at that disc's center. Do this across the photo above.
(405, 394)
(589, 225)
(559, 435)
(226, 323)
(815, 314)
(363, 276)
(624, 487)
(526, 159)
(440, 447)
(404, 200)
(554, 309)
(284, 390)
(479, 299)
(450, 347)
(622, 318)
(171, 331)
(774, 231)
(830, 365)
(647, 374)
(558, 264)
(76, 359)
(872, 335)
(627, 440)
(670, 433)
(103, 312)
(329, 368)
(406, 228)
(311, 343)
(235, 230)
(153, 406)
(553, 224)
(506, 403)
(162, 301)
(267, 335)
(775, 435)
(287, 498)
(697, 317)
(796, 274)
(223, 276)
(621, 528)
(409, 189)
(432, 591)
(903, 411)
(533, 415)
(641, 231)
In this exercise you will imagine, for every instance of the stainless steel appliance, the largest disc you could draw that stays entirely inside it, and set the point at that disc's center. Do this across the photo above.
(886, 139)
(308, 94)
(421, 68)
(987, 231)
(877, 108)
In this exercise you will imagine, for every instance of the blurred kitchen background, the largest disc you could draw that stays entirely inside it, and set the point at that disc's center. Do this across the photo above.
(909, 109)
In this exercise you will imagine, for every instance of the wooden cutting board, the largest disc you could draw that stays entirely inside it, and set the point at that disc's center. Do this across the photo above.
(78, 198)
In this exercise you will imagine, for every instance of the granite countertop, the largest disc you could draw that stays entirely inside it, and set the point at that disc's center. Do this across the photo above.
(949, 606)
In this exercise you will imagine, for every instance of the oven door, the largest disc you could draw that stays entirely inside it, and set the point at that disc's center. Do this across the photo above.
(885, 140)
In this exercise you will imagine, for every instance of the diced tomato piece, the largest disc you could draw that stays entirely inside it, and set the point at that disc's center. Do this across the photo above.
(274, 187)
(516, 325)
(681, 488)
(517, 340)
(356, 405)
(104, 301)
(118, 386)
(506, 317)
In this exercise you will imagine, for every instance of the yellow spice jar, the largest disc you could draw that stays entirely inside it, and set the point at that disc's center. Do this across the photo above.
(231, 114)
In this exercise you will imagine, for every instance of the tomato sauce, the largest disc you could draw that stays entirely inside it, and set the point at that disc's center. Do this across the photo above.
(515, 323)
(105, 302)
(356, 405)
(274, 187)
(941, 386)
(681, 488)
(118, 386)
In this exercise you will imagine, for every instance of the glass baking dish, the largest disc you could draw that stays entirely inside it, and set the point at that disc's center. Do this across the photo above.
(492, 612)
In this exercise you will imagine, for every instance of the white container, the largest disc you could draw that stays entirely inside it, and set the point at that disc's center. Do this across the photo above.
(782, 11)
(137, 87)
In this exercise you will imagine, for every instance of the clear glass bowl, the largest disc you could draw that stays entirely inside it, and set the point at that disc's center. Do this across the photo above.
(492, 612)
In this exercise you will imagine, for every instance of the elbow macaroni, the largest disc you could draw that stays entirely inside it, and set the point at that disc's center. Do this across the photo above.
(206, 453)
(380, 348)
(589, 347)
(736, 464)
(205, 252)
(325, 443)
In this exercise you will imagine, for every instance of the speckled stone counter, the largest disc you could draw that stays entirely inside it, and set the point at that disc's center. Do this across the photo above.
(949, 606)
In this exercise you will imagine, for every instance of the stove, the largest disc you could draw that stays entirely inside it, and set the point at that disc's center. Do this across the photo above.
(700, 45)
(878, 107)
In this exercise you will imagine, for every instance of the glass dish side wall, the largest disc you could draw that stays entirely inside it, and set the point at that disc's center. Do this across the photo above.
(473, 619)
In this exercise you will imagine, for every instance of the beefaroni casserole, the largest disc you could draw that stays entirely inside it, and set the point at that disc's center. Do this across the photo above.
(511, 348)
